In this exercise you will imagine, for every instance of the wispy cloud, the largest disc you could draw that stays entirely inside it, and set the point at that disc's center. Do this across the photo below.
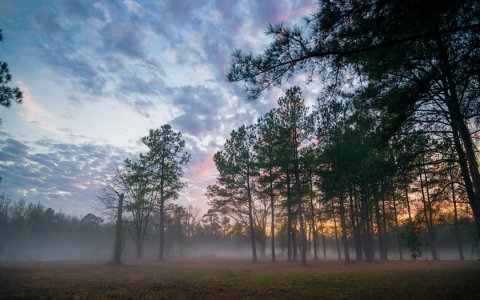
(163, 60)
(46, 172)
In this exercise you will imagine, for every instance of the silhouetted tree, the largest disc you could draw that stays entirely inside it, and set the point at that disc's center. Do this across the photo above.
(7, 93)
(297, 126)
(233, 193)
(164, 164)
(267, 148)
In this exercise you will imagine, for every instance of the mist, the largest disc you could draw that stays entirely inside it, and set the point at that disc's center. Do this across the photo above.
(31, 232)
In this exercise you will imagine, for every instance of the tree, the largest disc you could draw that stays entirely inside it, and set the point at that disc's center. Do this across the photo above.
(141, 196)
(267, 148)
(411, 61)
(7, 93)
(211, 222)
(310, 162)
(297, 126)
(233, 192)
(91, 220)
(113, 201)
(164, 164)
(117, 248)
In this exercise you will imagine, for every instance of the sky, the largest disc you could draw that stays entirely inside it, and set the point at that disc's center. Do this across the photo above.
(97, 75)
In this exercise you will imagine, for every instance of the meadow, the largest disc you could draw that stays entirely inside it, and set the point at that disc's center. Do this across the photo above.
(241, 279)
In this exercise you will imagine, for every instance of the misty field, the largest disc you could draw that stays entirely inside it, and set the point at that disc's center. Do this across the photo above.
(212, 279)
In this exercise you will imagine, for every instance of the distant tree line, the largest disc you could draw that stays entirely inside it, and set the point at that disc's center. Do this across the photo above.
(391, 148)
(34, 232)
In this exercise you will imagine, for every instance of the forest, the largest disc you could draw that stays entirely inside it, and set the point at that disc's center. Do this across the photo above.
(369, 157)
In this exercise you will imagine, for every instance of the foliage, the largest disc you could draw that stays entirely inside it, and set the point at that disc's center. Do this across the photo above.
(409, 66)
(7, 93)
(411, 236)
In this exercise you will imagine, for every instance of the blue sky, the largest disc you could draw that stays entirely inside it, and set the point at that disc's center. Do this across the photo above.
(96, 75)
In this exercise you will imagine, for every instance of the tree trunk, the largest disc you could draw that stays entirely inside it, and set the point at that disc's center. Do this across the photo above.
(298, 196)
(138, 247)
(397, 229)
(289, 218)
(250, 221)
(272, 224)
(162, 230)
(312, 216)
(294, 238)
(263, 247)
(356, 237)
(324, 247)
(427, 215)
(343, 223)
(455, 220)
(117, 255)
(335, 228)
(408, 203)
(381, 243)
(384, 223)
(367, 228)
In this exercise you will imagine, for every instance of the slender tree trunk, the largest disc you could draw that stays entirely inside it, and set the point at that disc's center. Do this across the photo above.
(430, 219)
(455, 220)
(356, 216)
(408, 203)
(298, 196)
(117, 254)
(427, 215)
(324, 247)
(356, 238)
(384, 223)
(397, 229)
(250, 221)
(263, 247)
(272, 218)
(162, 229)
(381, 244)
(308, 228)
(294, 238)
(312, 216)
(367, 228)
(371, 234)
(336, 234)
(289, 218)
(139, 244)
(343, 223)
(162, 215)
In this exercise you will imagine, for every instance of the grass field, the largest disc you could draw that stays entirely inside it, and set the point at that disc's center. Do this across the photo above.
(240, 279)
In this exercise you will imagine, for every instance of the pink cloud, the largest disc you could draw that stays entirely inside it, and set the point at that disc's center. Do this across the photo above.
(306, 9)
(202, 169)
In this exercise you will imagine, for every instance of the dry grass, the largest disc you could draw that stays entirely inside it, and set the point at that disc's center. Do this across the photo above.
(212, 279)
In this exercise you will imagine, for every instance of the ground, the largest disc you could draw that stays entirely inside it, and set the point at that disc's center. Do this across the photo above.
(241, 279)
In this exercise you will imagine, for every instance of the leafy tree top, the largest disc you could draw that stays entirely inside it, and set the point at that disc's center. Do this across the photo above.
(7, 93)
(342, 34)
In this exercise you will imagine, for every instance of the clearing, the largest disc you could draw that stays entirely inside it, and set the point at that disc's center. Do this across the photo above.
(221, 278)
